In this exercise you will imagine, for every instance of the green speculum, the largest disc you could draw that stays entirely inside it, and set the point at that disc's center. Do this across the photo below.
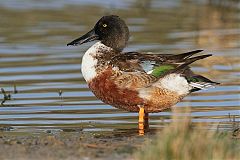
(158, 71)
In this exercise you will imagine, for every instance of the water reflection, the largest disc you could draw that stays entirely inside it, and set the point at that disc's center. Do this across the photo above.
(35, 59)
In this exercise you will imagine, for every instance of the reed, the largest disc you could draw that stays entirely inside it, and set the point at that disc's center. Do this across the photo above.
(183, 140)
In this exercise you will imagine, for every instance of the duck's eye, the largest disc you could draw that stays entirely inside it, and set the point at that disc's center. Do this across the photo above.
(104, 25)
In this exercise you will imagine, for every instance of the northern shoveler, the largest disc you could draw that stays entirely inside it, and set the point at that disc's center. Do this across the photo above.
(134, 81)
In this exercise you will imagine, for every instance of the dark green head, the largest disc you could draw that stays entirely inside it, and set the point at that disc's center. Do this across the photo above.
(110, 30)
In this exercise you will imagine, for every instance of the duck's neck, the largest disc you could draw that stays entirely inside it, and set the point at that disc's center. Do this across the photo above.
(95, 60)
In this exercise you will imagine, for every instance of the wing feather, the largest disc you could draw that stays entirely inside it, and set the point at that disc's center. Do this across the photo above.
(145, 62)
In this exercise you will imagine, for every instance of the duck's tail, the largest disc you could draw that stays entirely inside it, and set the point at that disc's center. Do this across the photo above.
(199, 82)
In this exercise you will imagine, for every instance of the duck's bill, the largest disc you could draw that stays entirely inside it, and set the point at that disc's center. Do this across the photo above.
(88, 37)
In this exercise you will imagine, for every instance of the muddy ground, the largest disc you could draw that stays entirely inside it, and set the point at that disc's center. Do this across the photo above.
(70, 145)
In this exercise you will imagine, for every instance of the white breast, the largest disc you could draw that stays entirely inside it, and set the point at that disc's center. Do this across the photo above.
(89, 61)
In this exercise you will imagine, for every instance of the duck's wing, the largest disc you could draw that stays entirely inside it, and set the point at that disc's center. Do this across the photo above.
(152, 63)
(142, 70)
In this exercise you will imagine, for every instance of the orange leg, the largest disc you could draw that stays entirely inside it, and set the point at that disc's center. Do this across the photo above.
(142, 121)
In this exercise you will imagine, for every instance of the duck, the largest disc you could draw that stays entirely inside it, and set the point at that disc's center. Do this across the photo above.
(135, 81)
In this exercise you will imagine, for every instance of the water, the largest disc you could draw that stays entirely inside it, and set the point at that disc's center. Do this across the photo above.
(51, 92)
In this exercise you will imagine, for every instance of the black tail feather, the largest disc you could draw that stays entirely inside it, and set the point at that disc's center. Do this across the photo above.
(199, 82)
(202, 79)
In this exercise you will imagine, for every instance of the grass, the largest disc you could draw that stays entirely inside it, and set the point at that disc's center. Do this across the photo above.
(182, 140)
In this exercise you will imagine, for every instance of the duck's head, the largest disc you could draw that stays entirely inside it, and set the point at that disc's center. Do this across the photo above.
(110, 30)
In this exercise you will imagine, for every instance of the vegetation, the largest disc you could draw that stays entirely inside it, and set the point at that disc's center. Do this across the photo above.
(182, 140)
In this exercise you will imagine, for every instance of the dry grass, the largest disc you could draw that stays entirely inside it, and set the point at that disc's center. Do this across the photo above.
(180, 140)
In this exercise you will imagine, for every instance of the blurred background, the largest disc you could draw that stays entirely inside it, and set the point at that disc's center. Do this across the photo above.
(42, 86)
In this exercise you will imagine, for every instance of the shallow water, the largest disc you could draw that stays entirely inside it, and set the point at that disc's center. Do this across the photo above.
(36, 60)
